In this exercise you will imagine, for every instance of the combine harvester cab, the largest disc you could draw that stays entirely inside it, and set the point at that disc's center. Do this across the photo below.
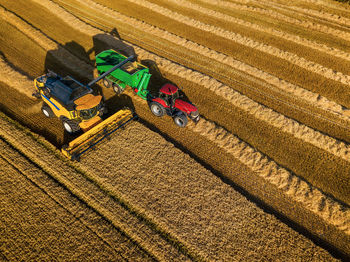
(79, 109)
(137, 76)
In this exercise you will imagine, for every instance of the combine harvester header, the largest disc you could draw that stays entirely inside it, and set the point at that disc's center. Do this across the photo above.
(79, 109)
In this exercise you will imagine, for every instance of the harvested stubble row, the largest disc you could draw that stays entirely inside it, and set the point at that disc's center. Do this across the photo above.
(43, 220)
(251, 14)
(111, 208)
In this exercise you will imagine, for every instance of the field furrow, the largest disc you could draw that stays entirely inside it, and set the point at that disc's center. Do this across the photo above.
(338, 20)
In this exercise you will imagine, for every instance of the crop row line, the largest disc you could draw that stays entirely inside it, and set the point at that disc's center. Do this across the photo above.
(272, 13)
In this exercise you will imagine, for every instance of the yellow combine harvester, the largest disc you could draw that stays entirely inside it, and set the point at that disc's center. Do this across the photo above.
(79, 109)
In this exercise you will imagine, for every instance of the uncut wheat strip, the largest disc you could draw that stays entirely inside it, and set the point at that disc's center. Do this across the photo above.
(14, 79)
(87, 190)
(271, 13)
(61, 54)
(65, 199)
(255, 45)
(290, 37)
(296, 91)
(313, 199)
(258, 111)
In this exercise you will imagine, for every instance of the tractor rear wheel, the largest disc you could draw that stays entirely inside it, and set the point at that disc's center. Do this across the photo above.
(117, 88)
(107, 83)
(47, 111)
(157, 109)
(180, 120)
(70, 126)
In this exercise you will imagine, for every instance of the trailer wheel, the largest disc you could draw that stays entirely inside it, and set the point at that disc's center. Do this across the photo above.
(117, 88)
(180, 120)
(157, 109)
(70, 126)
(107, 83)
(47, 111)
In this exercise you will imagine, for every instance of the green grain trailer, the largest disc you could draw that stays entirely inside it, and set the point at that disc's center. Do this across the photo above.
(131, 74)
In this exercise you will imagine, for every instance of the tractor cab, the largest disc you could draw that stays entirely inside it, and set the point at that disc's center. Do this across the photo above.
(169, 93)
(169, 102)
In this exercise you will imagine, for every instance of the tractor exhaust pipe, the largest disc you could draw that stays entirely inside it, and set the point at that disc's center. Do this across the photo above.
(110, 70)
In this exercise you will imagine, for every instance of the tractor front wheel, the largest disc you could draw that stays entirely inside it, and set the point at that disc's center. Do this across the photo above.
(47, 111)
(107, 83)
(180, 120)
(157, 109)
(70, 126)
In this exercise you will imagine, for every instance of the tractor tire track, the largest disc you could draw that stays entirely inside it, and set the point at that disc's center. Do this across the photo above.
(296, 91)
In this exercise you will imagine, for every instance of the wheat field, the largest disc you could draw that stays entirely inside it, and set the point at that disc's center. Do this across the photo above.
(263, 176)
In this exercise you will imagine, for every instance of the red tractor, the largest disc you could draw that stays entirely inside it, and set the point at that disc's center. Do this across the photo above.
(169, 103)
